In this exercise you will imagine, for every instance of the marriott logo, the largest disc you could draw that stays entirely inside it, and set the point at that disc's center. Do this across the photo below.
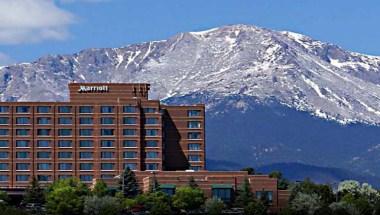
(93, 89)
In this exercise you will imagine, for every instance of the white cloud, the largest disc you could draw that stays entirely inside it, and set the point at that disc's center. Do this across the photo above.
(5, 59)
(24, 21)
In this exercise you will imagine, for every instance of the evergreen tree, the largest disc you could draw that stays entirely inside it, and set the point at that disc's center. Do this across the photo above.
(34, 194)
(192, 182)
(100, 189)
(244, 195)
(155, 186)
(128, 183)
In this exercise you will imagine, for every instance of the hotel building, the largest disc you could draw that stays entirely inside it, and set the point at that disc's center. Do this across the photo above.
(101, 129)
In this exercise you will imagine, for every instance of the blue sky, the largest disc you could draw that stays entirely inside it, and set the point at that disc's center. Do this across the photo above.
(32, 28)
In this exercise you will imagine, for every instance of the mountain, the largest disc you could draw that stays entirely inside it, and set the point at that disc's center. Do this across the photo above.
(271, 96)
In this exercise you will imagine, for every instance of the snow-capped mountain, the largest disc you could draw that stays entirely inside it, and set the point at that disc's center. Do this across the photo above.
(231, 69)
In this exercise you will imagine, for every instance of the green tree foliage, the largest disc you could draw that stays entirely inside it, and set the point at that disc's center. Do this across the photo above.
(282, 183)
(3, 197)
(106, 205)
(100, 189)
(255, 208)
(128, 183)
(66, 197)
(187, 198)
(308, 187)
(10, 210)
(214, 206)
(250, 170)
(192, 182)
(155, 202)
(324, 210)
(34, 194)
(244, 194)
(306, 203)
(155, 186)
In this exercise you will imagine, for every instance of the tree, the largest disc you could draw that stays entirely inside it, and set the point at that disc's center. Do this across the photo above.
(306, 203)
(324, 210)
(308, 187)
(187, 198)
(192, 183)
(282, 183)
(128, 183)
(66, 197)
(106, 205)
(214, 206)
(100, 189)
(255, 208)
(155, 202)
(155, 186)
(244, 194)
(250, 170)
(34, 194)
(3, 197)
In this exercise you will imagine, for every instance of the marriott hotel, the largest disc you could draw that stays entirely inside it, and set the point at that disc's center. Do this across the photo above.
(102, 129)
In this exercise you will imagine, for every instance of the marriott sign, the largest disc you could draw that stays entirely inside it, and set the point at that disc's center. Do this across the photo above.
(93, 89)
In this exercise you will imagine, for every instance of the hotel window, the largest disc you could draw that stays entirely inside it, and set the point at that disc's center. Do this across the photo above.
(107, 166)
(65, 166)
(64, 176)
(194, 146)
(4, 120)
(265, 195)
(64, 109)
(151, 166)
(130, 154)
(22, 155)
(3, 155)
(43, 177)
(106, 109)
(152, 155)
(22, 132)
(4, 166)
(4, 143)
(4, 178)
(192, 113)
(129, 143)
(131, 166)
(86, 166)
(107, 121)
(64, 132)
(107, 132)
(4, 109)
(150, 110)
(222, 192)
(44, 166)
(129, 109)
(151, 143)
(107, 143)
(86, 143)
(151, 132)
(22, 143)
(86, 155)
(194, 124)
(23, 120)
(43, 132)
(22, 166)
(4, 132)
(64, 143)
(65, 155)
(65, 121)
(43, 155)
(43, 109)
(129, 121)
(44, 120)
(43, 143)
(194, 158)
(151, 121)
(85, 109)
(107, 154)
(22, 109)
(194, 135)
(22, 177)
(107, 176)
(129, 132)
(86, 132)
(87, 178)
(86, 121)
